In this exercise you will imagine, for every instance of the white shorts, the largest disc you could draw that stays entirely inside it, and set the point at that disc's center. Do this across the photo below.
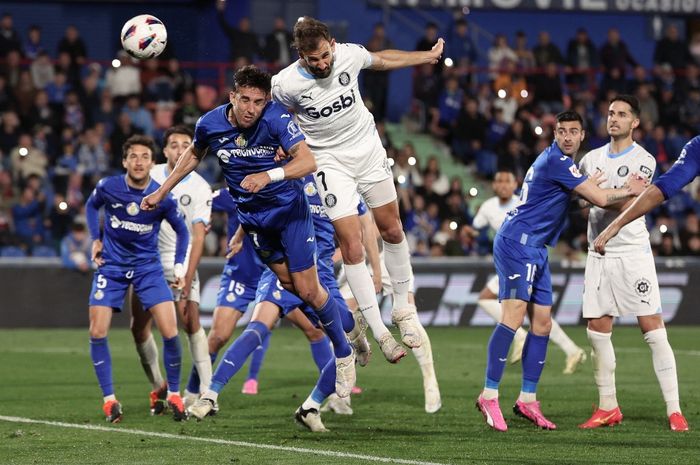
(194, 291)
(617, 286)
(492, 285)
(387, 288)
(342, 177)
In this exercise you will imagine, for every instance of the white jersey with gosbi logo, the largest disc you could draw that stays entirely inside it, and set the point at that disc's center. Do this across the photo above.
(616, 168)
(329, 111)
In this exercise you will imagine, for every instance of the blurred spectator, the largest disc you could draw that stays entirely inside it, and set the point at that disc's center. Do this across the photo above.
(73, 115)
(180, 80)
(242, 41)
(694, 47)
(406, 165)
(667, 247)
(76, 249)
(122, 131)
(671, 49)
(691, 80)
(470, 131)
(60, 218)
(188, 113)
(139, 116)
(614, 55)
(27, 160)
(278, 49)
(445, 115)
(526, 60)
(42, 70)
(545, 52)
(12, 67)
(548, 90)
(460, 47)
(426, 89)
(24, 94)
(92, 158)
(74, 45)
(6, 236)
(9, 38)
(376, 83)
(690, 110)
(57, 89)
(499, 52)
(9, 131)
(649, 109)
(639, 78)
(430, 36)
(28, 218)
(5, 94)
(582, 58)
(124, 80)
(689, 232)
(440, 183)
(464, 244)
(33, 47)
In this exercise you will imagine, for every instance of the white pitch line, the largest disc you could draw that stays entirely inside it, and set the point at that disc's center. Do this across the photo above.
(301, 450)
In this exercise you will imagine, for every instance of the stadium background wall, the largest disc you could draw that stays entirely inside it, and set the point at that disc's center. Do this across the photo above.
(43, 294)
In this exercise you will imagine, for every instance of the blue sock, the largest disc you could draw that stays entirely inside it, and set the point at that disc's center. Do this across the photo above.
(330, 318)
(534, 356)
(258, 356)
(325, 386)
(172, 357)
(499, 344)
(237, 353)
(346, 317)
(102, 362)
(193, 383)
(321, 352)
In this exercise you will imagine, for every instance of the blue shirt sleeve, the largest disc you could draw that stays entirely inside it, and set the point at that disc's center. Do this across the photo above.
(200, 135)
(683, 171)
(222, 201)
(92, 211)
(283, 126)
(176, 220)
(563, 170)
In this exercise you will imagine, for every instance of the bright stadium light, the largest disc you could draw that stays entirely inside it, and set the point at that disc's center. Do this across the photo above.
(411, 161)
(449, 63)
(501, 93)
(391, 162)
(63, 206)
(523, 93)
(663, 228)
(473, 191)
(116, 63)
(453, 225)
(401, 179)
(23, 152)
(465, 10)
(538, 130)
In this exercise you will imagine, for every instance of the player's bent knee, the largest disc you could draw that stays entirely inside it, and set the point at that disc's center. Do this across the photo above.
(392, 234)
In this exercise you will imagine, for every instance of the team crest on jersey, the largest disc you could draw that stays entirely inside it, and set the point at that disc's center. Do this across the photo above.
(277, 294)
(310, 189)
(241, 141)
(330, 200)
(642, 287)
(293, 130)
(344, 78)
(646, 171)
(132, 209)
(623, 171)
(574, 171)
(99, 295)
(230, 297)
(185, 200)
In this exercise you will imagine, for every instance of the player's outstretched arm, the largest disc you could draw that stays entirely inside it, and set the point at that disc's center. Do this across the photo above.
(303, 163)
(590, 191)
(387, 60)
(187, 162)
(92, 214)
(648, 200)
(176, 220)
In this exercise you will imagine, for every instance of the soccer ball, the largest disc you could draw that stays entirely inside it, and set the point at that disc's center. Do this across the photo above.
(144, 36)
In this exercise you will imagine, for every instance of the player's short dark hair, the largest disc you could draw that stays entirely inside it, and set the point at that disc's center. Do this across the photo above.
(569, 115)
(308, 32)
(506, 171)
(630, 100)
(251, 76)
(139, 139)
(179, 129)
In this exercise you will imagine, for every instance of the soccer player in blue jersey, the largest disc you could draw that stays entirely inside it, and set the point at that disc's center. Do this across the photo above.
(273, 211)
(126, 253)
(239, 281)
(520, 255)
(272, 302)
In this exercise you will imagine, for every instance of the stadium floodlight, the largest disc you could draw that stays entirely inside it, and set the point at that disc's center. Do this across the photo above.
(116, 63)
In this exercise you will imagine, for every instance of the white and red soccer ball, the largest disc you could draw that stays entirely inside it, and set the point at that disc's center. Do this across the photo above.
(144, 37)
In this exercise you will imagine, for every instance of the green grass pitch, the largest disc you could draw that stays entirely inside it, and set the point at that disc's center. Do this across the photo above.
(47, 375)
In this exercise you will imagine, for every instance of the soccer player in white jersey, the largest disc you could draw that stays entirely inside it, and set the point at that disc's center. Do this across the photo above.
(623, 282)
(194, 198)
(491, 214)
(322, 88)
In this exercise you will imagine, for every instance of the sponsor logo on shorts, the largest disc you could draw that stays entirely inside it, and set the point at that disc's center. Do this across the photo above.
(330, 200)
(133, 209)
(99, 295)
(642, 287)
(310, 189)
(623, 170)
(277, 294)
(344, 78)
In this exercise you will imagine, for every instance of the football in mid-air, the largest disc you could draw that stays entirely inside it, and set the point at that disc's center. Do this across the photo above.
(144, 36)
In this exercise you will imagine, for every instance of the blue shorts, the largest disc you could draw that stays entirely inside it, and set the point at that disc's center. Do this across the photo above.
(523, 272)
(109, 286)
(283, 232)
(233, 293)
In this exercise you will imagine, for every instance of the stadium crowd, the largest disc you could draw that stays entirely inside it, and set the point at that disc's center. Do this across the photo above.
(64, 118)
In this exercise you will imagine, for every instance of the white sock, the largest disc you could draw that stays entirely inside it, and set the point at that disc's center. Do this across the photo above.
(493, 308)
(603, 359)
(109, 397)
(148, 353)
(397, 258)
(310, 403)
(489, 393)
(172, 393)
(209, 394)
(560, 338)
(362, 288)
(199, 347)
(424, 356)
(665, 368)
(527, 397)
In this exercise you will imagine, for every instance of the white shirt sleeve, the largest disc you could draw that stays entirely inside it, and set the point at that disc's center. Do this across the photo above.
(279, 94)
(480, 220)
(583, 165)
(358, 54)
(201, 211)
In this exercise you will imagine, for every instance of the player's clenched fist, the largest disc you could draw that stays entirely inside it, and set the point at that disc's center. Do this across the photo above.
(151, 201)
(255, 182)
(97, 252)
